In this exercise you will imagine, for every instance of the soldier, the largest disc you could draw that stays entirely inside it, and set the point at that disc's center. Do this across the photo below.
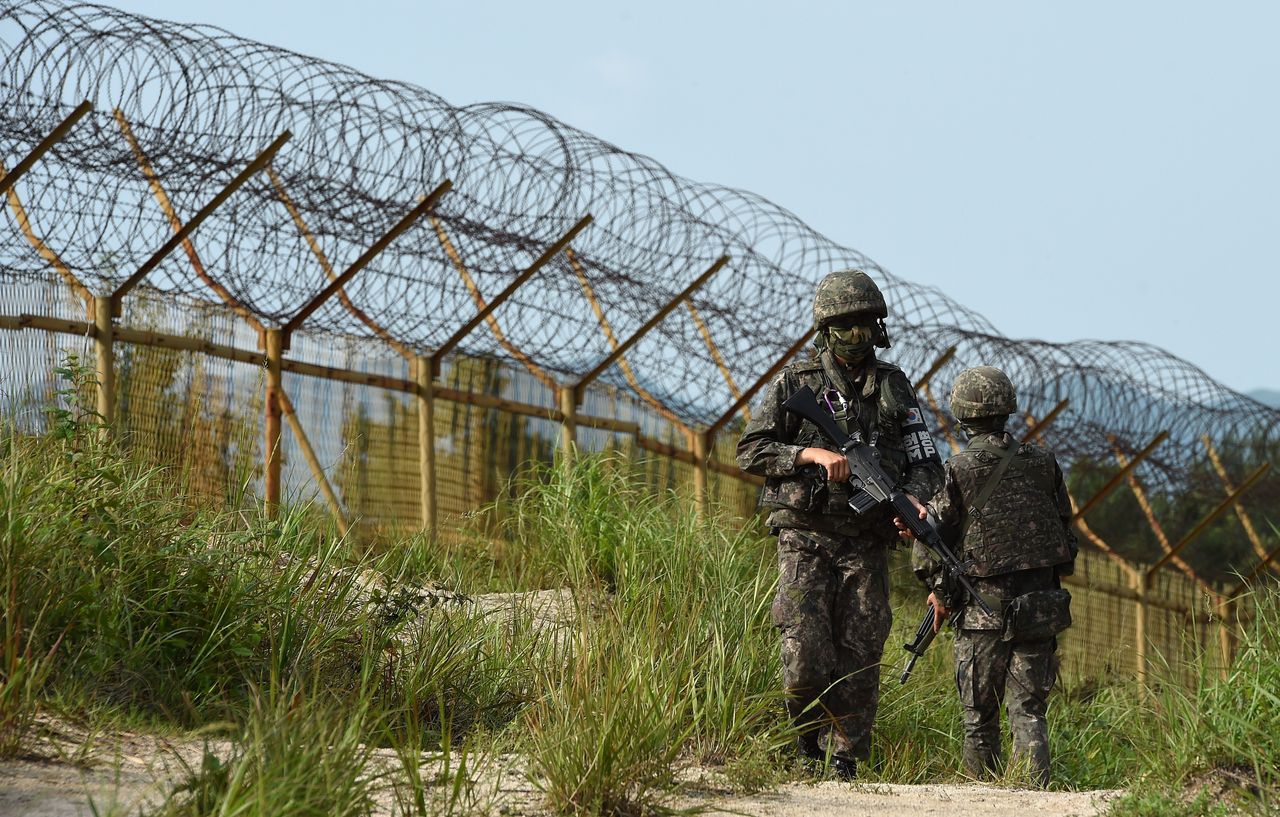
(832, 604)
(1005, 506)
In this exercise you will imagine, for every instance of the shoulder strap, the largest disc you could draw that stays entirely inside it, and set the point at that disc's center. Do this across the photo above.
(809, 364)
(993, 479)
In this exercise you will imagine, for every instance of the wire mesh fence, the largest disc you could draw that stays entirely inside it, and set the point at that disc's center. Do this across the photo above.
(243, 237)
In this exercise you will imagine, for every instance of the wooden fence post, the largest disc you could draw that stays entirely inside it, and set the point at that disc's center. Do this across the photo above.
(700, 444)
(1140, 628)
(426, 443)
(104, 335)
(569, 422)
(1226, 611)
(275, 381)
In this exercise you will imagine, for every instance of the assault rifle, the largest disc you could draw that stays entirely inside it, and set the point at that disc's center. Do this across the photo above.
(924, 637)
(872, 486)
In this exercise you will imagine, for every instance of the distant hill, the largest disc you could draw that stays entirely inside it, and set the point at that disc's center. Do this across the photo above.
(1269, 396)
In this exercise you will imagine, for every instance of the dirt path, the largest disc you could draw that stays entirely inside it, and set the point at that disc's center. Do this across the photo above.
(122, 773)
(831, 799)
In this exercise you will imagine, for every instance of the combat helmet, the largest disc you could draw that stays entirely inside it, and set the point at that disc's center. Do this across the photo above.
(845, 292)
(982, 391)
(850, 292)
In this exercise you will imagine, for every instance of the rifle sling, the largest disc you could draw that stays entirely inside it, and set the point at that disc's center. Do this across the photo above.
(988, 487)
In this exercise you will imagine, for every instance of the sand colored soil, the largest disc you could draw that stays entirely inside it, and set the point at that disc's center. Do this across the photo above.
(122, 772)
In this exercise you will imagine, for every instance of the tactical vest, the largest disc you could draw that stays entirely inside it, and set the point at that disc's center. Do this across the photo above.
(880, 413)
(1019, 527)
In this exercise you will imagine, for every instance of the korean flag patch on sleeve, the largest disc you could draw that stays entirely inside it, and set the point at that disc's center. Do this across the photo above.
(916, 439)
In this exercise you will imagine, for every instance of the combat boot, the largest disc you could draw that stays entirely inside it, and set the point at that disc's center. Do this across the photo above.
(844, 768)
(808, 749)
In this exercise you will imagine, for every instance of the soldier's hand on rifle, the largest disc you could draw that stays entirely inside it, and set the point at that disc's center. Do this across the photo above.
(836, 466)
(939, 611)
(903, 531)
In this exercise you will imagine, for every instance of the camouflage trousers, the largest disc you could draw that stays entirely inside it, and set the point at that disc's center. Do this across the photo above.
(832, 612)
(1020, 675)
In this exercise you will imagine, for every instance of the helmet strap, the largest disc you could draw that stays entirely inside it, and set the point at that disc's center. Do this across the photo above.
(882, 335)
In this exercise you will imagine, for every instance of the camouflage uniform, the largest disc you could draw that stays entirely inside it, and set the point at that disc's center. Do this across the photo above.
(832, 603)
(1020, 544)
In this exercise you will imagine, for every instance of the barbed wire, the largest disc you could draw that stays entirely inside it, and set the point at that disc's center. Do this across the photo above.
(199, 103)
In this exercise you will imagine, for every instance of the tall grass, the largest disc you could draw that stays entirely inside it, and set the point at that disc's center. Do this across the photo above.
(1219, 738)
(118, 596)
(162, 612)
(293, 758)
(676, 661)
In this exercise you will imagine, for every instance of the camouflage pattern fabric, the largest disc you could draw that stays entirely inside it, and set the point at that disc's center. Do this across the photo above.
(982, 391)
(876, 398)
(847, 292)
(1020, 545)
(1018, 674)
(1025, 523)
(832, 605)
(832, 611)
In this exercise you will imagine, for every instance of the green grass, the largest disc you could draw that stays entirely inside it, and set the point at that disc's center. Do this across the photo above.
(294, 757)
(673, 660)
(123, 604)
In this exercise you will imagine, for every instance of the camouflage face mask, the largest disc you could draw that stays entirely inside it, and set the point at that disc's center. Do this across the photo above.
(851, 344)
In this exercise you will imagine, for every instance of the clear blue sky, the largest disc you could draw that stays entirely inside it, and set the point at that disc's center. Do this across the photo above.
(1082, 170)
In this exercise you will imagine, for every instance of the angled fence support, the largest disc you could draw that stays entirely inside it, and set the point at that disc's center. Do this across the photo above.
(44, 250)
(714, 350)
(612, 338)
(98, 309)
(368, 255)
(1140, 494)
(1267, 561)
(519, 354)
(750, 393)
(8, 179)
(1247, 523)
(329, 272)
(581, 386)
(437, 357)
(1037, 427)
(1119, 476)
(182, 232)
(1171, 554)
(936, 367)
(313, 462)
(1209, 518)
(1221, 604)
(1097, 541)
(166, 206)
